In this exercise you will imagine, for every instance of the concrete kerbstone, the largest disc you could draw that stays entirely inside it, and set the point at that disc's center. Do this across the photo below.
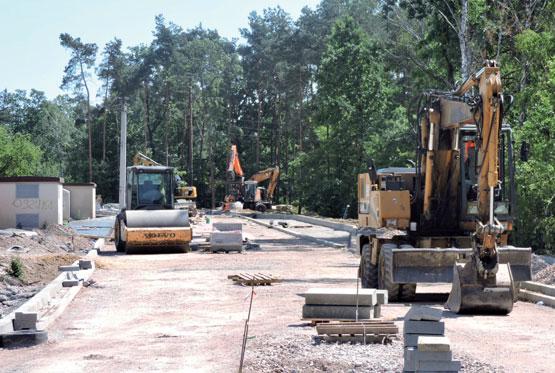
(433, 344)
(410, 340)
(423, 313)
(25, 321)
(424, 327)
(85, 264)
(70, 283)
(336, 312)
(23, 338)
(382, 296)
(340, 296)
(438, 366)
(69, 268)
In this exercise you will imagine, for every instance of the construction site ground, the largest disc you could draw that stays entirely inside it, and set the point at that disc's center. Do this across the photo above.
(180, 312)
(38, 253)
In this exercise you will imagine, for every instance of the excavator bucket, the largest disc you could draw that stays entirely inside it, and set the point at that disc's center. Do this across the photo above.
(472, 294)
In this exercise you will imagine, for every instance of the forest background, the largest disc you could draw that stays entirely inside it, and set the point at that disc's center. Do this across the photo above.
(318, 96)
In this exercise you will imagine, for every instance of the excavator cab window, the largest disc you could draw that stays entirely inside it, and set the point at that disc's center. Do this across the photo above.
(470, 161)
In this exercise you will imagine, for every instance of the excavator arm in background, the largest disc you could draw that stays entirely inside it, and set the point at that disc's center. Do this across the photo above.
(142, 160)
(272, 174)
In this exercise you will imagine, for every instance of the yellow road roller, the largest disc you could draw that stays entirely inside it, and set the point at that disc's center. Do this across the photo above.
(149, 222)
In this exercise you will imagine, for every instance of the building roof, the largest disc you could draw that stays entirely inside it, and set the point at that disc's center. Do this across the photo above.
(81, 184)
(31, 179)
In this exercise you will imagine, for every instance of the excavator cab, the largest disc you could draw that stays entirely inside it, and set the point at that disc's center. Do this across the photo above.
(254, 196)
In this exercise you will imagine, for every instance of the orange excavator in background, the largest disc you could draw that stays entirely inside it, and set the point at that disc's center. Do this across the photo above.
(234, 178)
(253, 196)
(256, 197)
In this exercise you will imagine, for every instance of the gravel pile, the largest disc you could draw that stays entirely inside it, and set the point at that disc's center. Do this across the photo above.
(304, 353)
(543, 269)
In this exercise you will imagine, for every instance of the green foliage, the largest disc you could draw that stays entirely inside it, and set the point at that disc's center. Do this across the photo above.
(18, 155)
(352, 118)
(16, 268)
(536, 178)
(317, 96)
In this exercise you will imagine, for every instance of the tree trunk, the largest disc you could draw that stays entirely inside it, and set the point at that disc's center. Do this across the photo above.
(88, 119)
(191, 135)
(258, 128)
(300, 110)
(212, 190)
(89, 127)
(106, 111)
(463, 41)
(166, 126)
(146, 116)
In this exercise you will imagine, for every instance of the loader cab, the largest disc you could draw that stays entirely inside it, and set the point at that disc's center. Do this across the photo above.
(150, 188)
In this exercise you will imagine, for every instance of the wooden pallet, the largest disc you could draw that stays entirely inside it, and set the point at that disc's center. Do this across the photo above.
(364, 339)
(315, 322)
(253, 279)
(370, 331)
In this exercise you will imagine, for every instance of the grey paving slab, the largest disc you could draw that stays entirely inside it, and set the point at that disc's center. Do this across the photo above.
(410, 340)
(424, 313)
(438, 366)
(433, 344)
(340, 296)
(424, 327)
(336, 312)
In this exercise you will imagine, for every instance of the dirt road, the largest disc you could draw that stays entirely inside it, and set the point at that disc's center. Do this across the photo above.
(179, 312)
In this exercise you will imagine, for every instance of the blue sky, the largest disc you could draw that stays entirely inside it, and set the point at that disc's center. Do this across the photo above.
(31, 55)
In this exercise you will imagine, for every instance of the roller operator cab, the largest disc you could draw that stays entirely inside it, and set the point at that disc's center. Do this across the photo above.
(449, 218)
(149, 222)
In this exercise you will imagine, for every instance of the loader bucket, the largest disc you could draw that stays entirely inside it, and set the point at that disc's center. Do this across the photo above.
(471, 294)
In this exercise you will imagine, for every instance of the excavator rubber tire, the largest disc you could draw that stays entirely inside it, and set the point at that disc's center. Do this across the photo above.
(385, 277)
(368, 271)
(260, 207)
(470, 294)
(407, 292)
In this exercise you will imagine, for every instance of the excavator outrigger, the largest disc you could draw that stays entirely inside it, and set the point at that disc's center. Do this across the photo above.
(449, 218)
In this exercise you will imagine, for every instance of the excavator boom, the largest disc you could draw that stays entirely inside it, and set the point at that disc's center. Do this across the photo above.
(272, 174)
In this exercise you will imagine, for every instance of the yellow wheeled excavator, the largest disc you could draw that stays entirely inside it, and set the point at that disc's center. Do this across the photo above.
(449, 218)
(149, 221)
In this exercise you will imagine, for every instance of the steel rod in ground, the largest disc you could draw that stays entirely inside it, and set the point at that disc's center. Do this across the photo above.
(246, 332)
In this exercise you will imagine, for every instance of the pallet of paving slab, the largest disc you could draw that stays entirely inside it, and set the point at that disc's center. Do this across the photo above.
(355, 328)
(253, 279)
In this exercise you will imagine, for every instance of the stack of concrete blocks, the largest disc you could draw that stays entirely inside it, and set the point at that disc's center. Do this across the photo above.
(426, 347)
(226, 237)
(341, 304)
